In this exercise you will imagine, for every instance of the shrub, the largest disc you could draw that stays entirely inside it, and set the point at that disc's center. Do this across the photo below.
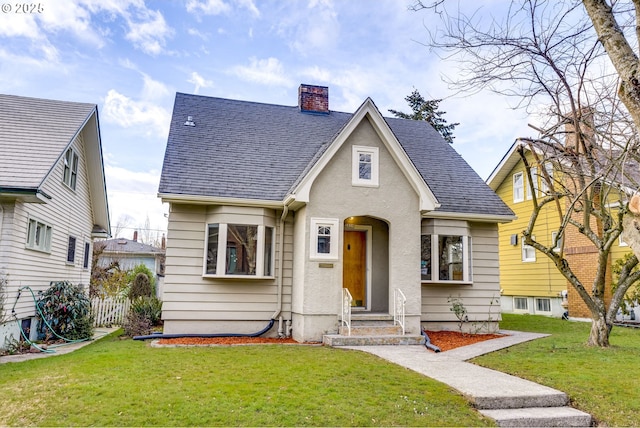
(136, 324)
(65, 311)
(148, 307)
(141, 268)
(141, 287)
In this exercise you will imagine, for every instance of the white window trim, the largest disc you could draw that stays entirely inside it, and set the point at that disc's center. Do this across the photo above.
(522, 248)
(519, 310)
(548, 167)
(537, 311)
(467, 277)
(222, 252)
(45, 246)
(334, 224)
(534, 179)
(74, 155)
(519, 198)
(355, 166)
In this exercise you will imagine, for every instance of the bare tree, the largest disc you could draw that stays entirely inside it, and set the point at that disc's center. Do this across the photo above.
(546, 55)
(124, 222)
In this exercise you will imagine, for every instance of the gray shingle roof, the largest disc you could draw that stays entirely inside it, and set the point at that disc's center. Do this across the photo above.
(33, 134)
(122, 245)
(248, 150)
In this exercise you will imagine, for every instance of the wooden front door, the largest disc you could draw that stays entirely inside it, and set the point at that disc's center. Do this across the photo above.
(354, 273)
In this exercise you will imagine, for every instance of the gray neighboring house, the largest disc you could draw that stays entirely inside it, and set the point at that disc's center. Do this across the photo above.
(276, 210)
(53, 199)
(130, 253)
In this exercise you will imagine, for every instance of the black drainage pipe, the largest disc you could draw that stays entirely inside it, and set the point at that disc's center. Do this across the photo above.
(428, 344)
(181, 335)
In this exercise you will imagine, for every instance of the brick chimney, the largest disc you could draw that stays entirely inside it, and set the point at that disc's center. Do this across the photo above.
(135, 236)
(313, 99)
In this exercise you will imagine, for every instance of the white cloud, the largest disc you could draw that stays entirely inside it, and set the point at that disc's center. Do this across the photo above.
(18, 24)
(315, 29)
(266, 71)
(150, 33)
(127, 113)
(153, 90)
(196, 33)
(208, 7)
(250, 6)
(199, 82)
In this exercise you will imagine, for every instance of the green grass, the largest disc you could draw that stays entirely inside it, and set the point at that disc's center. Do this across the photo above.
(117, 382)
(602, 382)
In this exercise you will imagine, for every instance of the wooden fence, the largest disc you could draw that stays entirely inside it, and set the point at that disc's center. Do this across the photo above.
(109, 311)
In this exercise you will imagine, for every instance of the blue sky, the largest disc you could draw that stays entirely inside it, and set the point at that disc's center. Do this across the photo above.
(130, 57)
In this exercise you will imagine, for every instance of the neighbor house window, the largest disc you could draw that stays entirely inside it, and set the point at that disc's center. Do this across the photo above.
(365, 166)
(324, 238)
(70, 176)
(71, 250)
(38, 235)
(520, 303)
(528, 252)
(548, 167)
(534, 183)
(558, 246)
(446, 255)
(239, 250)
(518, 187)
(543, 305)
(87, 254)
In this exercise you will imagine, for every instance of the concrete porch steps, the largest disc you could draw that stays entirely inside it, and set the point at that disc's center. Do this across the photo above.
(370, 329)
(539, 417)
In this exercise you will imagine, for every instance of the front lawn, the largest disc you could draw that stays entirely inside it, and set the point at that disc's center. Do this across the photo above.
(117, 382)
(602, 382)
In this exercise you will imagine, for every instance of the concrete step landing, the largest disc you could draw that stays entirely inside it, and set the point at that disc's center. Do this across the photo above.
(539, 417)
(372, 340)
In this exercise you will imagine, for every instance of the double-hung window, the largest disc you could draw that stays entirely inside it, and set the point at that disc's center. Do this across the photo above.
(70, 174)
(365, 166)
(518, 187)
(533, 188)
(239, 250)
(71, 250)
(445, 258)
(324, 238)
(38, 235)
(528, 252)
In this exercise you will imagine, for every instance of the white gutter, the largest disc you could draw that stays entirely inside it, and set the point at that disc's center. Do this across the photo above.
(199, 199)
(483, 218)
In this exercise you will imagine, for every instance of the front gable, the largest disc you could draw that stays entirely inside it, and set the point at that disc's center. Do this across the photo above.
(368, 112)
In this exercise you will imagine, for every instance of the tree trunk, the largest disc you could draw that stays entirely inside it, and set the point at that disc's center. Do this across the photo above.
(600, 330)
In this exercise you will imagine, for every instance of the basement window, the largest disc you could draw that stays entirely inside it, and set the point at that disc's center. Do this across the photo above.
(239, 250)
(543, 306)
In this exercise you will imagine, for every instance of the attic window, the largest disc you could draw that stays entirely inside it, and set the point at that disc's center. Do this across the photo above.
(70, 174)
(365, 166)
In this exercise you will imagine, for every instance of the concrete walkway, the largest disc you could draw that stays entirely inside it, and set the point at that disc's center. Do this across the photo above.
(509, 400)
(59, 350)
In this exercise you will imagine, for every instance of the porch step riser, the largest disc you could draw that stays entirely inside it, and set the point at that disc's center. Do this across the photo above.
(539, 417)
(368, 330)
(557, 400)
(341, 340)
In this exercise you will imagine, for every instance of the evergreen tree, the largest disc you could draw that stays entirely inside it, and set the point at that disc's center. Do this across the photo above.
(427, 110)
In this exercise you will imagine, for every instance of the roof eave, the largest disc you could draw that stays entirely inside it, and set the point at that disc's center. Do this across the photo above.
(481, 218)
(217, 200)
(27, 195)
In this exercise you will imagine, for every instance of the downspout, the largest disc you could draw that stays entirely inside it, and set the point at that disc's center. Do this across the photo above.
(428, 344)
(285, 211)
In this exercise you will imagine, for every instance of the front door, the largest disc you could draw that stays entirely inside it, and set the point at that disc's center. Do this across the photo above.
(354, 273)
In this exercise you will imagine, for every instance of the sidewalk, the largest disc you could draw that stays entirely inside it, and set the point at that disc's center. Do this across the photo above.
(59, 350)
(509, 400)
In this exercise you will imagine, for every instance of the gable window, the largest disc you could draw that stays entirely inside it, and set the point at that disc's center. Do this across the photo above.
(543, 305)
(239, 250)
(87, 254)
(518, 187)
(446, 255)
(548, 167)
(528, 252)
(534, 183)
(38, 236)
(71, 250)
(520, 304)
(70, 175)
(365, 166)
(324, 238)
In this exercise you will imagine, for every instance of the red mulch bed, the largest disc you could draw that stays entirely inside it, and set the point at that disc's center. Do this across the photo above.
(445, 340)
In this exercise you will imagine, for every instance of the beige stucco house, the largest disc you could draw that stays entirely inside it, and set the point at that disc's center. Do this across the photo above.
(276, 210)
(53, 200)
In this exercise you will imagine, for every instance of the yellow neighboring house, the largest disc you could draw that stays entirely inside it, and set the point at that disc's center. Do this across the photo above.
(529, 281)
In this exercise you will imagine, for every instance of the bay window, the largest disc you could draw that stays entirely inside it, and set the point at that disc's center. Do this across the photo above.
(445, 258)
(239, 250)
